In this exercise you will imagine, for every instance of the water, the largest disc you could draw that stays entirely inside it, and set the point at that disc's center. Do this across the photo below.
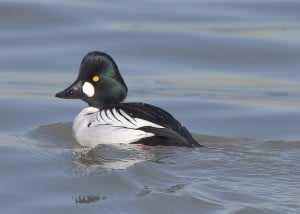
(229, 71)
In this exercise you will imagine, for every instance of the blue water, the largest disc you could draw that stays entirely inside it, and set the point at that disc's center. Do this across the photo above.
(228, 70)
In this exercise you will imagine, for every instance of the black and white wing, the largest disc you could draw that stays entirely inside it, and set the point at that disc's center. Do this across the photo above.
(165, 129)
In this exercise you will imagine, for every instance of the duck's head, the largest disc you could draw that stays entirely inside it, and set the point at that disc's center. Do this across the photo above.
(99, 82)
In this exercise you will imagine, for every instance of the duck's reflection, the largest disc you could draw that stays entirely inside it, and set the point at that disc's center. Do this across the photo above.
(87, 199)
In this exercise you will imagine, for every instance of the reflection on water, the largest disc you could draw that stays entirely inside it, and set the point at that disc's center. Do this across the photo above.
(225, 172)
(94, 160)
(228, 71)
(86, 199)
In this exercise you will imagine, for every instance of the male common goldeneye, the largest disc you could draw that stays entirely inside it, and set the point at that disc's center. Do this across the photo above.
(109, 121)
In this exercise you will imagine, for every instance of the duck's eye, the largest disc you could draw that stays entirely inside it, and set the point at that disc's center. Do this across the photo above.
(96, 78)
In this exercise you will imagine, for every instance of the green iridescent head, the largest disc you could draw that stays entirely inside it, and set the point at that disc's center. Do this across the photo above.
(99, 82)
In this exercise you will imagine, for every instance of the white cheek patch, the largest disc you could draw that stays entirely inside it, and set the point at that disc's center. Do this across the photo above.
(88, 89)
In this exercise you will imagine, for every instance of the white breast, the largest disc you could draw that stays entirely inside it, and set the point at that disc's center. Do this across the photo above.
(92, 127)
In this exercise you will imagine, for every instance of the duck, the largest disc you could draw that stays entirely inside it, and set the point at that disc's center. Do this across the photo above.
(109, 120)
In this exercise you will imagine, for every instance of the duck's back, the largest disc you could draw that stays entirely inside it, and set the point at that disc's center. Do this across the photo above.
(170, 132)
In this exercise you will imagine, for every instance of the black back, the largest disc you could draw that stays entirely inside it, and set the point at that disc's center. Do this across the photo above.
(174, 134)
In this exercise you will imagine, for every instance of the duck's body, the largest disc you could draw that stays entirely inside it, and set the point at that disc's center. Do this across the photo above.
(109, 121)
(130, 123)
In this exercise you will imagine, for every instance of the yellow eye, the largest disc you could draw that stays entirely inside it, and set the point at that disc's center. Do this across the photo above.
(96, 78)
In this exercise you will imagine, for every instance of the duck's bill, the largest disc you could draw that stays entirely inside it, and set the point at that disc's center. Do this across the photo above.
(74, 91)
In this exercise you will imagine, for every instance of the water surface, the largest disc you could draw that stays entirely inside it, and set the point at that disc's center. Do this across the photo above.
(229, 71)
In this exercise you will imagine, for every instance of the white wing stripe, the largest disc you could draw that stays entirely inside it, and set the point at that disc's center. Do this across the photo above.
(114, 113)
(108, 114)
(131, 120)
(119, 118)
(98, 116)
(103, 115)
(141, 123)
